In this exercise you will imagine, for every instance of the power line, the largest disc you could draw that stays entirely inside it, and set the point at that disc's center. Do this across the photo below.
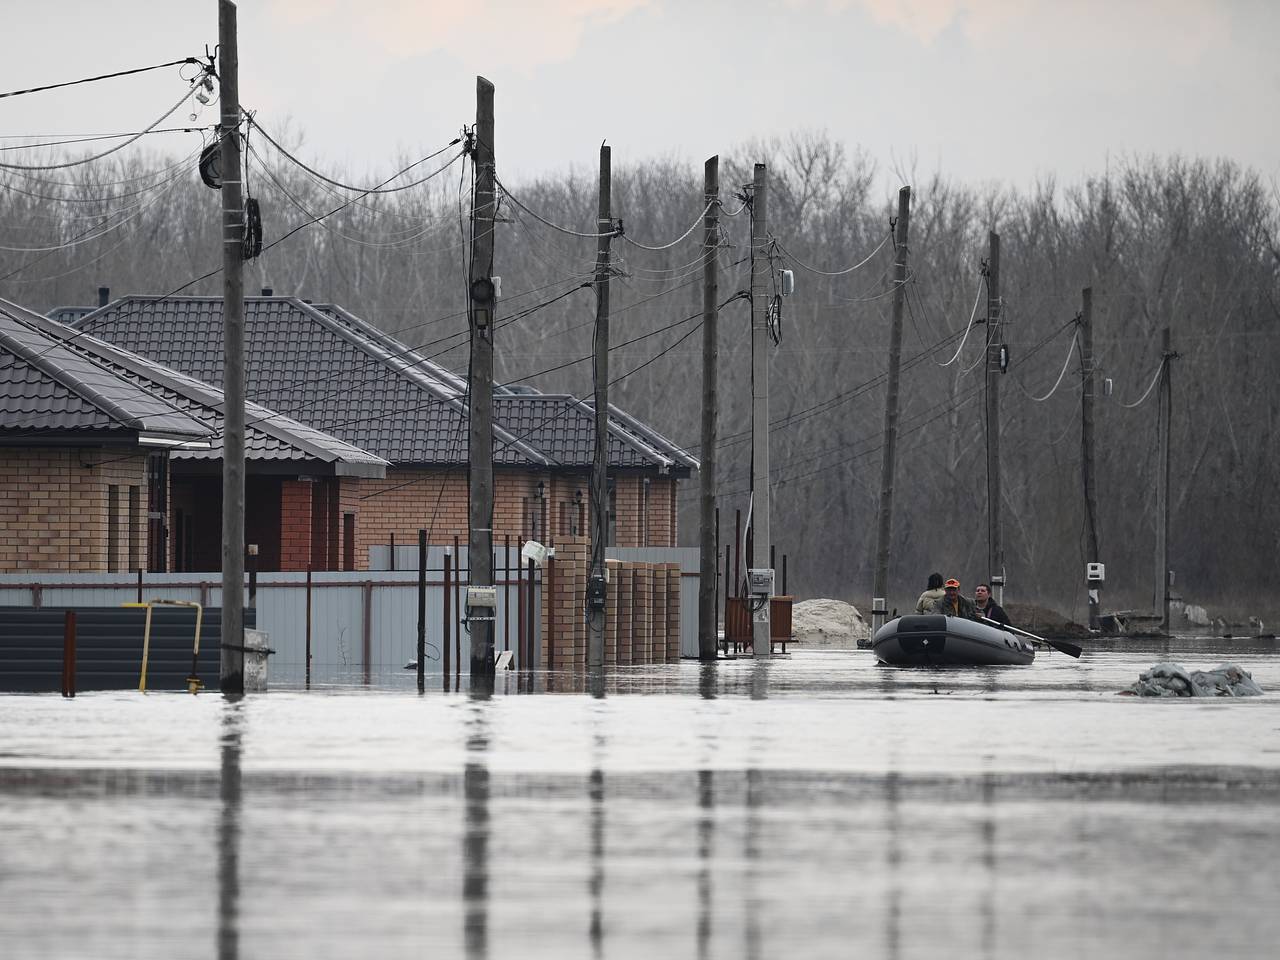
(105, 76)
(120, 146)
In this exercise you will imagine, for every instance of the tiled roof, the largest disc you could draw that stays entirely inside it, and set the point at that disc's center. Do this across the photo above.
(47, 388)
(327, 367)
(269, 436)
(310, 365)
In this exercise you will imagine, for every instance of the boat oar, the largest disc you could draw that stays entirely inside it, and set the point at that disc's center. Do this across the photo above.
(1070, 649)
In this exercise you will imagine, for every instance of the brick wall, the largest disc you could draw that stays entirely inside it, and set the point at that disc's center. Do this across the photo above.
(54, 509)
(295, 524)
(436, 500)
(643, 610)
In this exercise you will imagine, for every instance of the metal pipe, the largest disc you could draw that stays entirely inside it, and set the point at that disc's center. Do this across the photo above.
(457, 603)
(69, 654)
(448, 609)
(422, 605)
(520, 601)
(506, 592)
(530, 613)
(366, 651)
(308, 626)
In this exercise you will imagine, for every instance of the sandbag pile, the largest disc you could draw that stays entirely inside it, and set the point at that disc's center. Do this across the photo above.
(1172, 680)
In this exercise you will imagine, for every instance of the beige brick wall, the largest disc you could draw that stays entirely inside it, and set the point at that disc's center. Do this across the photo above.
(409, 500)
(54, 509)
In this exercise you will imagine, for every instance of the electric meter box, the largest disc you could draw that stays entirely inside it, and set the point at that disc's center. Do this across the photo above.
(760, 582)
(1095, 572)
(486, 597)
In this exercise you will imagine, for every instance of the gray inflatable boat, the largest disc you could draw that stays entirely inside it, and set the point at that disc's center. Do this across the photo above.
(935, 640)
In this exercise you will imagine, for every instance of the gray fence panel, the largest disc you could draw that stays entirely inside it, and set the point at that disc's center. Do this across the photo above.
(109, 642)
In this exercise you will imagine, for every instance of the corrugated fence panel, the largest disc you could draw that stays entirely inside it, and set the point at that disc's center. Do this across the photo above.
(109, 643)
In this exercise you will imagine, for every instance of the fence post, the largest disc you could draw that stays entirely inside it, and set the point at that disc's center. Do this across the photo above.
(366, 647)
(69, 655)
(308, 626)
(447, 627)
(422, 604)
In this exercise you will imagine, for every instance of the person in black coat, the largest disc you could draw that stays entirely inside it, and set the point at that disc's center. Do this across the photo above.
(986, 605)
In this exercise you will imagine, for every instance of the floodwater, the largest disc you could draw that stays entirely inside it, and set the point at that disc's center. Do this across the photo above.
(817, 806)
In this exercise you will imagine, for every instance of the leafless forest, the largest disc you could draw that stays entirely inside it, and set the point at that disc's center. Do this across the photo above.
(1162, 241)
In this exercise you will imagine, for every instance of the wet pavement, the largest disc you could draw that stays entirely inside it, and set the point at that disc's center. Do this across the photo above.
(816, 806)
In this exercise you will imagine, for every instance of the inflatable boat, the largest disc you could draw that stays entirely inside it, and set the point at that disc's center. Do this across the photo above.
(935, 640)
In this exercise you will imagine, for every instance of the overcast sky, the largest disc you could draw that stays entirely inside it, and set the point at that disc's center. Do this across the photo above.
(981, 90)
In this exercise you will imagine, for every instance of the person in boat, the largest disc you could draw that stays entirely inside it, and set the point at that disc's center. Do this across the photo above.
(953, 603)
(987, 606)
(932, 594)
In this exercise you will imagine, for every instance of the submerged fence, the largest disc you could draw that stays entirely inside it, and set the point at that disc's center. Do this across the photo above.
(359, 626)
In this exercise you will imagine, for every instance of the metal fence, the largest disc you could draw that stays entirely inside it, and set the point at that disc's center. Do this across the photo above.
(361, 625)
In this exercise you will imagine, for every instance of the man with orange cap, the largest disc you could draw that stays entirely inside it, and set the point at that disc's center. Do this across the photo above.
(953, 603)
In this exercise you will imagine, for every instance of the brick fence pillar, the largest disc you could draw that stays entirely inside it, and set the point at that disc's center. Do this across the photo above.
(295, 524)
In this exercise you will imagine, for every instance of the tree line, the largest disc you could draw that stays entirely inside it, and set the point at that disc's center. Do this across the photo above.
(1163, 241)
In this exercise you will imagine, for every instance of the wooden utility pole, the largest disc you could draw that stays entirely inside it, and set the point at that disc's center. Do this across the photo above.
(481, 317)
(597, 588)
(761, 286)
(1092, 584)
(1163, 576)
(884, 527)
(708, 615)
(995, 340)
(231, 660)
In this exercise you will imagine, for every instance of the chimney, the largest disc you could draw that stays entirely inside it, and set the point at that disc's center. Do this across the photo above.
(267, 292)
(104, 296)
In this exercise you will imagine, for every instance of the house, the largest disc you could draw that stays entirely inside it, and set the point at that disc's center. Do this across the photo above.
(323, 366)
(112, 462)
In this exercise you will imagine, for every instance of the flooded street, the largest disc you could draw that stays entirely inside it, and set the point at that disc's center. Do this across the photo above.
(817, 806)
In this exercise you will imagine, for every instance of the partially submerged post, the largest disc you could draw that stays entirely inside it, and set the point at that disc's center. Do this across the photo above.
(1093, 564)
(884, 527)
(422, 607)
(760, 576)
(482, 305)
(708, 561)
(231, 668)
(597, 584)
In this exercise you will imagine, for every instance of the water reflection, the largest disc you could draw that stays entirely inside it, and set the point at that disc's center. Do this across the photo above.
(760, 680)
(595, 794)
(229, 832)
(987, 908)
(475, 833)
(706, 833)
(893, 861)
(753, 903)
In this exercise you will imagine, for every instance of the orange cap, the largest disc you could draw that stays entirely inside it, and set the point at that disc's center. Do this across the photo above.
(952, 583)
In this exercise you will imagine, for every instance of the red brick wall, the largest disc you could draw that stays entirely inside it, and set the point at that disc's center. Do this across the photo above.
(295, 524)
(54, 512)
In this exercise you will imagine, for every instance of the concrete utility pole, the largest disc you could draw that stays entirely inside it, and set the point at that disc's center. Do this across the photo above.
(708, 615)
(231, 663)
(880, 589)
(481, 316)
(1086, 453)
(597, 588)
(1164, 580)
(995, 340)
(761, 285)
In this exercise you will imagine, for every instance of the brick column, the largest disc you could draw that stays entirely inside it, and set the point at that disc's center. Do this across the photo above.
(295, 524)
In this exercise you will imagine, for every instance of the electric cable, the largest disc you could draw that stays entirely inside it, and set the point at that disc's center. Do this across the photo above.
(106, 153)
(837, 273)
(105, 76)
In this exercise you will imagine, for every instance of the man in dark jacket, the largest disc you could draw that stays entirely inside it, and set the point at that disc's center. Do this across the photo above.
(952, 603)
(986, 605)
